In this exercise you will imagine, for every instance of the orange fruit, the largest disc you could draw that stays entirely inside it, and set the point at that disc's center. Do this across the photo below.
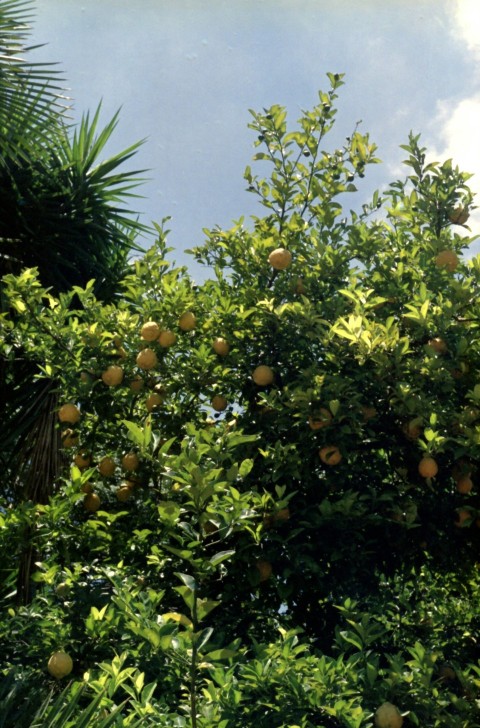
(427, 467)
(69, 438)
(263, 375)
(60, 664)
(388, 716)
(459, 215)
(447, 673)
(219, 403)
(460, 469)
(167, 338)
(321, 419)
(264, 568)
(150, 331)
(69, 413)
(413, 429)
(368, 412)
(187, 321)
(300, 287)
(280, 258)
(153, 401)
(464, 485)
(107, 466)
(438, 345)
(82, 459)
(124, 492)
(91, 502)
(463, 516)
(221, 346)
(86, 378)
(112, 376)
(87, 487)
(147, 359)
(330, 455)
(447, 259)
(130, 461)
(136, 384)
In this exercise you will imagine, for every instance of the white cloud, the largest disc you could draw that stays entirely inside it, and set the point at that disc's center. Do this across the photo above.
(458, 131)
(467, 20)
(456, 123)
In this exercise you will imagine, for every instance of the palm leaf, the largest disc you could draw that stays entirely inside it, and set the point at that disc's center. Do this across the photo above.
(31, 94)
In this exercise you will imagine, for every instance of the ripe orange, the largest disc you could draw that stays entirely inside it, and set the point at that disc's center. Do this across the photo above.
(219, 403)
(69, 413)
(280, 258)
(264, 568)
(300, 287)
(447, 673)
(438, 345)
(263, 375)
(464, 485)
(91, 502)
(112, 376)
(167, 338)
(60, 664)
(153, 401)
(447, 259)
(459, 215)
(87, 487)
(330, 455)
(86, 378)
(413, 429)
(150, 331)
(147, 359)
(427, 467)
(463, 517)
(221, 346)
(69, 438)
(106, 467)
(82, 459)
(187, 321)
(460, 469)
(321, 419)
(136, 384)
(388, 716)
(130, 461)
(124, 492)
(369, 412)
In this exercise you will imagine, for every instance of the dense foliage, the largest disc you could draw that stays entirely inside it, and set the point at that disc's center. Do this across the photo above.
(268, 513)
(63, 211)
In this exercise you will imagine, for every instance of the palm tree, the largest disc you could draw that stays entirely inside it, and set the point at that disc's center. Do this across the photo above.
(61, 211)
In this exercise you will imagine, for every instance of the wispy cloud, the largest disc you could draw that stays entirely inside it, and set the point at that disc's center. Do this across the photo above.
(456, 120)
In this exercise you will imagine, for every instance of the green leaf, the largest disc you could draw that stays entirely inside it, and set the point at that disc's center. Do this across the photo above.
(222, 654)
(221, 556)
(204, 607)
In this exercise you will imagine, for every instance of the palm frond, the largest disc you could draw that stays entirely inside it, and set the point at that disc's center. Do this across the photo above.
(31, 94)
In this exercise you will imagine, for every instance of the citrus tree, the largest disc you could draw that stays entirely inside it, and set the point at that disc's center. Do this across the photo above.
(269, 508)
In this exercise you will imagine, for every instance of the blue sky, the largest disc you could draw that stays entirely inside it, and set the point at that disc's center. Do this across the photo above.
(185, 72)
